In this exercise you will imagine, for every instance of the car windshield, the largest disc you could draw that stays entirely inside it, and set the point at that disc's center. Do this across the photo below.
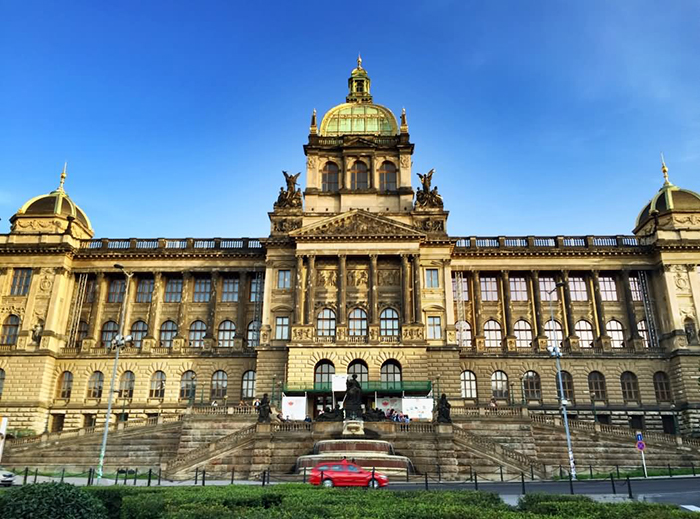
(322, 467)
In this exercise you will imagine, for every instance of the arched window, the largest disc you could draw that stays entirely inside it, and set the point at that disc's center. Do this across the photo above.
(492, 334)
(10, 330)
(643, 332)
(387, 176)
(197, 331)
(567, 381)
(523, 334)
(596, 386)
(630, 387)
(95, 385)
(219, 383)
(157, 385)
(532, 386)
(253, 334)
(65, 385)
(325, 323)
(468, 382)
(499, 385)
(126, 385)
(662, 387)
(81, 334)
(109, 332)
(616, 333)
(138, 331)
(357, 322)
(389, 323)
(359, 368)
(188, 385)
(248, 384)
(464, 334)
(390, 375)
(552, 329)
(323, 374)
(359, 177)
(168, 331)
(2, 381)
(584, 331)
(329, 178)
(227, 331)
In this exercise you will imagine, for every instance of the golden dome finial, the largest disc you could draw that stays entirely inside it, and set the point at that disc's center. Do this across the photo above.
(359, 61)
(664, 170)
(63, 177)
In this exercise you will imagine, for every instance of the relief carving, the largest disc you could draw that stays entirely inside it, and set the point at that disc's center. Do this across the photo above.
(45, 283)
(286, 225)
(405, 161)
(680, 277)
(327, 278)
(357, 278)
(388, 277)
(301, 334)
(359, 224)
(433, 225)
(691, 219)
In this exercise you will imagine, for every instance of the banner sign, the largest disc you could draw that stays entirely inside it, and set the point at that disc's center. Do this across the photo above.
(388, 402)
(418, 408)
(3, 432)
(339, 382)
(293, 407)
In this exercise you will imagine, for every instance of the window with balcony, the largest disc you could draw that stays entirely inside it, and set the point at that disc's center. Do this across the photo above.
(168, 331)
(109, 332)
(554, 333)
(139, 330)
(357, 323)
(584, 331)
(227, 332)
(492, 334)
(464, 334)
(198, 329)
(325, 323)
(644, 332)
(523, 334)
(253, 334)
(616, 333)
(389, 323)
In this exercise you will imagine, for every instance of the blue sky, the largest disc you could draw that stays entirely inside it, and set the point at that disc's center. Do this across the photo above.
(176, 118)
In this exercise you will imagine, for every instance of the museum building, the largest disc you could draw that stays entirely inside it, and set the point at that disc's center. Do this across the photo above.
(358, 276)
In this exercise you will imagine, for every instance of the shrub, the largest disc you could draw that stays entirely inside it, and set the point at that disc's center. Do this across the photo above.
(51, 501)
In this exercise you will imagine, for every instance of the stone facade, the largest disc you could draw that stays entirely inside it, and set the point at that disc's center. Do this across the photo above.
(358, 274)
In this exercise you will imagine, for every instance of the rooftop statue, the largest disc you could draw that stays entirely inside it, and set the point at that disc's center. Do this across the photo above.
(425, 197)
(291, 197)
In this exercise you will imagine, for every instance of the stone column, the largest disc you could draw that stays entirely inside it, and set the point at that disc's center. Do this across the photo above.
(211, 306)
(97, 309)
(568, 306)
(507, 309)
(182, 310)
(299, 292)
(537, 300)
(311, 290)
(417, 303)
(342, 288)
(406, 290)
(476, 282)
(373, 302)
(600, 312)
(629, 305)
(241, 310)
(155, 306)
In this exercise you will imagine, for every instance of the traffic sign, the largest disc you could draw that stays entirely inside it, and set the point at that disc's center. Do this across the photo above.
(639, 437)
(641, 445)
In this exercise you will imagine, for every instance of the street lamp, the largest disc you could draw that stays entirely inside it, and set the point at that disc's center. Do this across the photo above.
(117, 343)
(555, 351)
(591, 394)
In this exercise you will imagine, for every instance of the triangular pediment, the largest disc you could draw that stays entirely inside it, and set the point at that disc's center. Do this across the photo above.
(359, 142)
(357, 224)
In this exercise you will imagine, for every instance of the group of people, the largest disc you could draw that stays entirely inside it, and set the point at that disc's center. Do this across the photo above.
(397, 416)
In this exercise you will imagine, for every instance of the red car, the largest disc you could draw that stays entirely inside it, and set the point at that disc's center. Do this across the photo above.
(346, 474)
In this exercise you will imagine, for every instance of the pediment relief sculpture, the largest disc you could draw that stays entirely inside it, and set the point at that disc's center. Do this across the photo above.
(358, 223)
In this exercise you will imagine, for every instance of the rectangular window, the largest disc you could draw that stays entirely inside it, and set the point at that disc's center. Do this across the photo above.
(173, 290)
(577, 289)
(256, 289)
(460, 291)
(116, 291)
(489, 288)
(90, 289)
(284, 279)
(431, 278)
(229, 290)
(202, 290)
(547, 289)
(144, 291)
(608, 289)
(21, 278)
(282, 328)
(434, 327)
(635, 288)
(518, 289)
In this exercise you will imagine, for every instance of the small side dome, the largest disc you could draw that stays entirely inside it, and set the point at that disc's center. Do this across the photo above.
(669, 198)
(52, 213)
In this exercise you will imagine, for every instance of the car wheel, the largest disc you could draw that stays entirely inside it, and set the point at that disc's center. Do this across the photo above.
(328, 483)
(373, 483)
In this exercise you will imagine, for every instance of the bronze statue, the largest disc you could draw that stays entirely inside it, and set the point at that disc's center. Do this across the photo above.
(264, 410)
(291, 197)
(353, 399)
(443, 410)
(426, 197)
(336, 415)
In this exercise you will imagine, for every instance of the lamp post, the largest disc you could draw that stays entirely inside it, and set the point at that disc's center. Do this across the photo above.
(591, 394)
(555, 351)
(117, 343)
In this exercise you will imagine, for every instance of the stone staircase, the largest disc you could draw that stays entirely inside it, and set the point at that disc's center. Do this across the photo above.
(606, 447)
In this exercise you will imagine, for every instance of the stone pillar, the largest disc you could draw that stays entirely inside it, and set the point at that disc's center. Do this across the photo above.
(155, 306)
(342, 289)
(241, 310)
(417, 302)
(509, 340)
(476, 291)
(603, 340)
(629, 306)
(211, 306)
(182, 310)
(373, 302)
(540, 341)
(97, 309)
(311, 290)
(406, 290)
(299, 292)
(130, 285)
(572, 340)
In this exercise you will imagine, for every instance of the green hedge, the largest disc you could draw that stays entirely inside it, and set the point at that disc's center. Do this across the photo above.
(50, 501)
